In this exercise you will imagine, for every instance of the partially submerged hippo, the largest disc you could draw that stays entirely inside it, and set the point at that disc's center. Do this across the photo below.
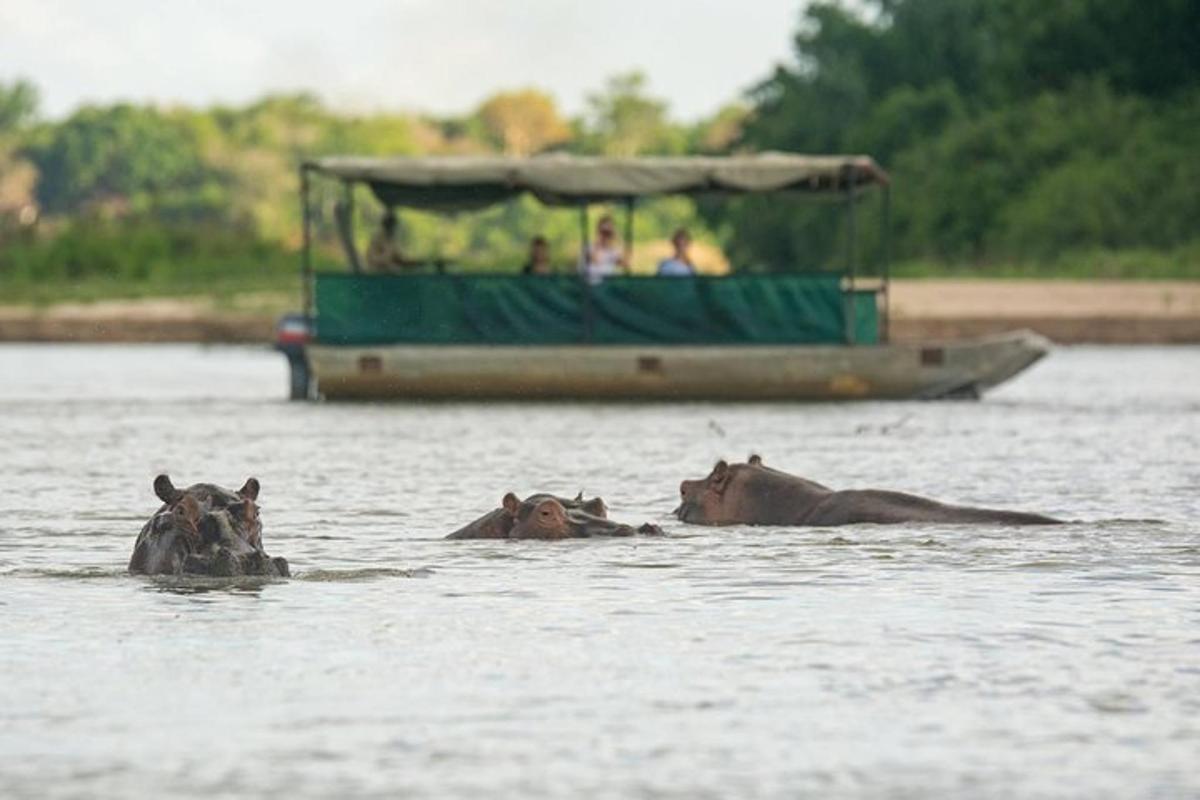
(204, 530)
(755, 494)
(498, 523)
(544, 516)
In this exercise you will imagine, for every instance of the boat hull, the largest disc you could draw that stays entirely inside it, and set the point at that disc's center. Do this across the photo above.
(913, 370)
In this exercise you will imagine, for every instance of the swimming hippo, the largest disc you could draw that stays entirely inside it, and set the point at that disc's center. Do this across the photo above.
(755, 494)
(544, 516)
(498, 523)
(204, 530)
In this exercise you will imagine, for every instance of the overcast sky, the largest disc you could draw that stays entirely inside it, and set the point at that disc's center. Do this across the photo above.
(430, 55)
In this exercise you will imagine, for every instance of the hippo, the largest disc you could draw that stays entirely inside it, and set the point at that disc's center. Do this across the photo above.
(498, 523)
(544, 516)
(755, 494)
(204, 530)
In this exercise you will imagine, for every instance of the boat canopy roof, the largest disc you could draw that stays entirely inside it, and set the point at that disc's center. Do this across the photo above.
(459, 183)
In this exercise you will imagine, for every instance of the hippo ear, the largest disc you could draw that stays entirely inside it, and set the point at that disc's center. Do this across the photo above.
(596, 507)
(719, 476)
(248, 511)
(755, 460)
(249, 489)
(511, 503)
(579, 497)
(166, 490)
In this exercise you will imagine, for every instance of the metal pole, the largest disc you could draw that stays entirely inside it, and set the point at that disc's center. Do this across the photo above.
(887, 263)
(348, 212)
(583, 235)
(583, 275)
(629, 232)
(306, 262)
(851, 264)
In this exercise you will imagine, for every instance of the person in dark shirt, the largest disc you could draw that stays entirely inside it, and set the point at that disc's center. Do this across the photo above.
(383, 254)
(539, 257)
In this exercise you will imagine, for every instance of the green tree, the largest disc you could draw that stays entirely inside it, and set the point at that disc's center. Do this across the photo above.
(127, 156)
(523, 122)
(18, 104)
(720, 132)
(1007, 125)
(622, 120)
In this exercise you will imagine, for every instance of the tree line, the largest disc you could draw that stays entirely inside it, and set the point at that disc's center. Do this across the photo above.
(140, 192)
(1054, 136)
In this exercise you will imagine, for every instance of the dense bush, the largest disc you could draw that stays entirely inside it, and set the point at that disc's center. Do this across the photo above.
(1014, 130)
(139, 251)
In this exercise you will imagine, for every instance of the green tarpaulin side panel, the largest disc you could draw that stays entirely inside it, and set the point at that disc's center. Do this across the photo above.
(508, 309)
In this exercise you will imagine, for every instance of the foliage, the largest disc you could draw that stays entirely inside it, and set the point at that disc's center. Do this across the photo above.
(1013, 130)
(124, 157)
(1021, 136)
(18, 104)
(136, 250)
(523, 122)
(623, 120)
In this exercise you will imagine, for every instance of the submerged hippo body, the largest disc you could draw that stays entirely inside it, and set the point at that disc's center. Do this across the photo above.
(544, 516)
(755, 494)
(204, 530)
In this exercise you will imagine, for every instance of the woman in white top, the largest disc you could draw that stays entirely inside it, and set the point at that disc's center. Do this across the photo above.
(604, 257)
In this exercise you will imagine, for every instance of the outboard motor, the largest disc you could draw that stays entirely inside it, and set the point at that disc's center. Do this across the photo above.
(292, 334)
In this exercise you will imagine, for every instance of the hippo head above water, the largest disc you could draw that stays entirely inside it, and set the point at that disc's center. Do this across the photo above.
(542, 516)
(714, 500)
(498, 523)
(204, 530)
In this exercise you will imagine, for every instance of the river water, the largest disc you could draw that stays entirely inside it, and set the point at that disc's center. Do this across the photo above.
(868, 661)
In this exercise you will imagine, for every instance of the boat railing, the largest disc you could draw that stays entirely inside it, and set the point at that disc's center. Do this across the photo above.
(496, 308)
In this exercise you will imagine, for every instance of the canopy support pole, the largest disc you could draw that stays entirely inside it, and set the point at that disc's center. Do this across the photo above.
(306, 263)
(584, 226)
(629, 202)
(851, 298)
(886, 257)
(345, 222)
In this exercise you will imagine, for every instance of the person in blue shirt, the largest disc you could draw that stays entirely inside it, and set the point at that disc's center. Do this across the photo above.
(679, 265)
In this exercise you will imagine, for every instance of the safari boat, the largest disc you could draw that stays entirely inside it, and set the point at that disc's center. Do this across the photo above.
(774, 336)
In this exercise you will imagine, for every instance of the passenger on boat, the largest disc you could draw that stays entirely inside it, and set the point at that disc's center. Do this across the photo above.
(539, 257)
(383, 254)
(679, 265)
(604, 257)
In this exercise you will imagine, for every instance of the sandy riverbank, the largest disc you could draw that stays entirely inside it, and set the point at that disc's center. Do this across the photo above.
(1069, 312)
(1066, 311)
